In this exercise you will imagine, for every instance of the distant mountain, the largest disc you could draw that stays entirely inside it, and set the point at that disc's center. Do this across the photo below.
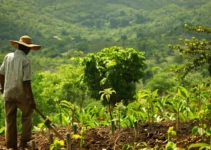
(89, 25)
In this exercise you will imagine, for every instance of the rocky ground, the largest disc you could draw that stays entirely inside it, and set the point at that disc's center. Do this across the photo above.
(154, 135)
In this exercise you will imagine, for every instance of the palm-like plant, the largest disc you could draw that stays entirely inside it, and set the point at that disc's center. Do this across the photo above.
(106, 93)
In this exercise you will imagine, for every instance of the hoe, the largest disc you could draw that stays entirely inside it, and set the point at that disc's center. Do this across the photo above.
(48, 124)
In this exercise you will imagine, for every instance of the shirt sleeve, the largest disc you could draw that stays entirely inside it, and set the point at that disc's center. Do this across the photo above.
(27, 72)
(2, 68)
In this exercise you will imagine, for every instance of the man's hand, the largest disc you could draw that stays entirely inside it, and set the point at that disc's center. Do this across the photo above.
(32, 103)
(28, 92)
(2, 78)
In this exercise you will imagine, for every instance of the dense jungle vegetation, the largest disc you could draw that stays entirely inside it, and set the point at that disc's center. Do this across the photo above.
(112, 51)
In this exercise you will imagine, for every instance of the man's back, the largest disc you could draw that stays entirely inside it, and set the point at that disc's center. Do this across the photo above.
(16, 68)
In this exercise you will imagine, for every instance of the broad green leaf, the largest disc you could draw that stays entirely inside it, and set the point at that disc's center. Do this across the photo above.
(126, 147)
(2, 129)
(195, 130)
(103, 81)
(111, 64)
(76, 136)
(209, 106)
(52, 146)
(199, 145)
(155, 93)
(40, 125)
(61, 142)
(183, 92)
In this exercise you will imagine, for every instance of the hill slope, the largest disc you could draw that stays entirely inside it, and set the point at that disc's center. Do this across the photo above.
(61, 25)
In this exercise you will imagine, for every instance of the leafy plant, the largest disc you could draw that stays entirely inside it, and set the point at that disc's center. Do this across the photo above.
(201, 146)
(40, 126)
(177, 105)
(106, 93)
(171, 145)
(135, 145)
(72, 107)
(117, 68)
(2, 129)
(151, 99)
(183, 92)
(83, 130)
(203, 131)
(120, 109)
(196, 51)
(87, 118)
(162, 107)
(201, 94)
(171, 133)
(57, 145)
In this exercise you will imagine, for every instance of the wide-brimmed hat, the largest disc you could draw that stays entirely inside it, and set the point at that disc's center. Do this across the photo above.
(26, 41)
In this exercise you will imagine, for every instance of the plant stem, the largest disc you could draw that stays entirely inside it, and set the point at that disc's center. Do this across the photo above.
(112, 127)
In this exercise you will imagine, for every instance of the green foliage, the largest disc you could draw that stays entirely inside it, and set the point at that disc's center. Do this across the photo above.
(135, 145)
(92, 21)
(121, 111)
(177, 106)
(57, 144)
(201, 146)
(171, 133)
(2, 129)
(2, 114)
(195, 51)
(83, 130)
(64, 83)
(171, 145)
(159, 82)
(151, 98)
(116, 68)
(105, 95)
(141, 24)
(70, 110)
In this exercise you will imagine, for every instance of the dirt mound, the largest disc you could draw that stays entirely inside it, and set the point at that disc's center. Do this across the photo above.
(101, 138)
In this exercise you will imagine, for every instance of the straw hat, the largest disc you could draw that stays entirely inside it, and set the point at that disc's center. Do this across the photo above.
(26, 41)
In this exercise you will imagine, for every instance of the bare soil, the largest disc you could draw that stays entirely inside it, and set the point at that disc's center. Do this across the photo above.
(101, 138)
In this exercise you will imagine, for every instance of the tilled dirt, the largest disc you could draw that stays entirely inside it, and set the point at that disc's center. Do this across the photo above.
(101, 138)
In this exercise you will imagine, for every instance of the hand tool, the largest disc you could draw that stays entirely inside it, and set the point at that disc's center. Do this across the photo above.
(48, 124)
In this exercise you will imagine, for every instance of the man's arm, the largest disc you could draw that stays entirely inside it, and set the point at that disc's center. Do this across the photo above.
(29, 94)
(2, 83)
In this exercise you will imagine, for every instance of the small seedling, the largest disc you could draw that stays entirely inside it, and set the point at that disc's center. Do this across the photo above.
(57, 145)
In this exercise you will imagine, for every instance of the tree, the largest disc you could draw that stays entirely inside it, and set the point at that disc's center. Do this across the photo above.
(63, 84)
(116, 68)
(195, 51)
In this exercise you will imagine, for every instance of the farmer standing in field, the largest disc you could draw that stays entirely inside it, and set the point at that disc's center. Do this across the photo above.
(15, 80)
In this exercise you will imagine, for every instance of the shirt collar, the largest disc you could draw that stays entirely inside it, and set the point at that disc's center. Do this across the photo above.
(20, 52)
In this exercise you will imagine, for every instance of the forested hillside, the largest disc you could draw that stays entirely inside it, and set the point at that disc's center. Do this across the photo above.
(61, 25)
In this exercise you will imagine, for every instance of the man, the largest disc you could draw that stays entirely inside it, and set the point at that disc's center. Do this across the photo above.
(15, 80)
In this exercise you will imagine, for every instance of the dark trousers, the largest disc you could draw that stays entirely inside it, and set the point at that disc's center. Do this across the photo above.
(11, 126)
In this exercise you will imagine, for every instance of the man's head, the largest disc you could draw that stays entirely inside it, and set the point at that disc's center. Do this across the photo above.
(25, 42)
(25, 49)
